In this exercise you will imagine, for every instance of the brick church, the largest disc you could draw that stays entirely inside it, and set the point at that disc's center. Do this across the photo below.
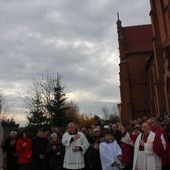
(145, 65)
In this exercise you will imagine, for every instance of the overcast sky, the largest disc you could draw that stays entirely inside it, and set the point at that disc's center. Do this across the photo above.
(77, 38)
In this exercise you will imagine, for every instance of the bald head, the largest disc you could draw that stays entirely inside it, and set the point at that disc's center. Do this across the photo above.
(72, 127)
(72, 124)
(54, 137)
(146, 128)
(13, 134)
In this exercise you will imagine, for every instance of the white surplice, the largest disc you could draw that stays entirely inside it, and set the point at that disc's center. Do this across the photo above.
(147, 159)
(108, 154)
(74, 160)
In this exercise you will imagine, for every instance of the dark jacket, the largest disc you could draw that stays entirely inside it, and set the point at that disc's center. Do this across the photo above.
(39, 146)
(94, 159)
(55, 155)
(9, 148)
(117, 136)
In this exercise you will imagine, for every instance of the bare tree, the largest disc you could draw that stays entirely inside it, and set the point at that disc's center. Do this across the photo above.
(110, 113)
(105, 112)
(4, 108)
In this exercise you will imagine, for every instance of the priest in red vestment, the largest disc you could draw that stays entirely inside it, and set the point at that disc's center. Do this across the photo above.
(161, 136)
(145, 154)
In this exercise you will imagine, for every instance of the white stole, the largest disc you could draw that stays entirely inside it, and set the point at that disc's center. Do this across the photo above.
(152, 160)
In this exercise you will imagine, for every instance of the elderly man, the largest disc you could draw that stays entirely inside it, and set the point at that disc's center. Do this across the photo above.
(161, 135)
(10, 150)
(145, 154)
(76, 145)
(55, 153)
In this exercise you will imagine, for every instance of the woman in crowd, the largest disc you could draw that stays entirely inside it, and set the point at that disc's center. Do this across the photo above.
(24, 151)
(94, 155)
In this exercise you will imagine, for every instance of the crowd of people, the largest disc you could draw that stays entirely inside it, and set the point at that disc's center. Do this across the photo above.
(143, 144)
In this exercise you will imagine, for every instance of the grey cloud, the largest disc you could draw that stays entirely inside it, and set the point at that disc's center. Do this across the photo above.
(78, 38)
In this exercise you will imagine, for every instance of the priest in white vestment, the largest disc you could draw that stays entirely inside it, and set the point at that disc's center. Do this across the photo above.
(144, 156)
(110, 152)
(76, 145)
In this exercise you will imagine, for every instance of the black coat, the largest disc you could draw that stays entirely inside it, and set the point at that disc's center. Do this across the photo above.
(9, 148)
(39, 146)
(55, 156)
(94, 159)
(117, 136)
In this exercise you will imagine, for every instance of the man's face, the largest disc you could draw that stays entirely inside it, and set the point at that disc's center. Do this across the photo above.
(72, 128)
(84, 131)
(114, 127)
(54, 138)
(96, 133)
(13, 135)
(121, 128)
(145, 128)
(40, 134)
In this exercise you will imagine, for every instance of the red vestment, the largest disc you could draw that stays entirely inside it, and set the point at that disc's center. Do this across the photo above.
(127, 148)
(161, 146)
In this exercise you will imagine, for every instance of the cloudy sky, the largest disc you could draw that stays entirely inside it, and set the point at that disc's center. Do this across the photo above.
(77, 38)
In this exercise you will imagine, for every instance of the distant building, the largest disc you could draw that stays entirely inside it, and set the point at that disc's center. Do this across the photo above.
(145, 65)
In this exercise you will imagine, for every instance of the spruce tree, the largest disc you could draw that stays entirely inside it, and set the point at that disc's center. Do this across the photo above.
(36, 115)
(58, 104)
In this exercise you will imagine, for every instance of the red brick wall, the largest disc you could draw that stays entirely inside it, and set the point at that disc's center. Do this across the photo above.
(134, 80)
(160, 12)
(135, 91)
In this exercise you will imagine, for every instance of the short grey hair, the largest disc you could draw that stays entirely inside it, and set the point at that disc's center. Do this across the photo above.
(13, 133)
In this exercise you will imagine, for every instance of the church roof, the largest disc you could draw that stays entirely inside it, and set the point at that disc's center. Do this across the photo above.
(138, 38)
